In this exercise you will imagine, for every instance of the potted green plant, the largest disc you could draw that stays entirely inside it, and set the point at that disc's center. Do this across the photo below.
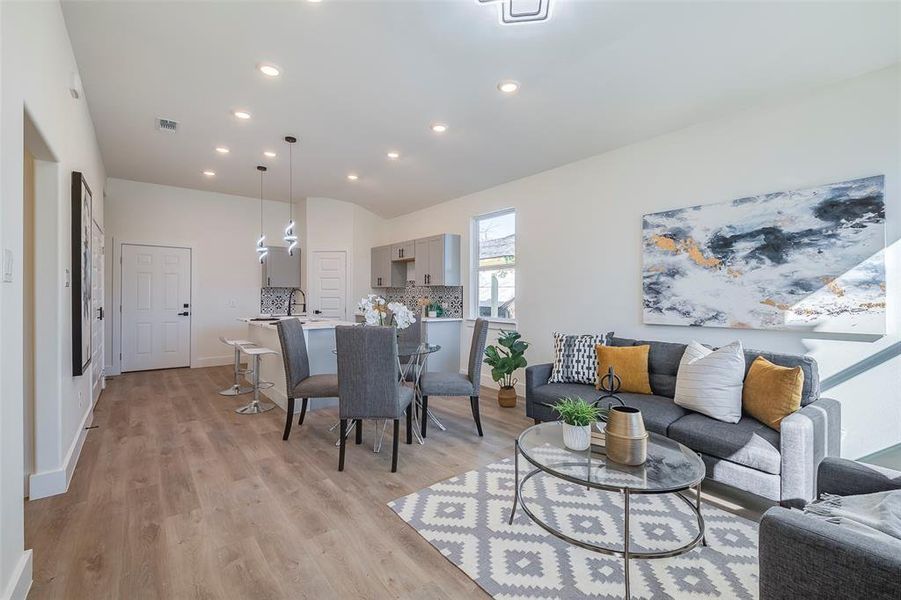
(504, 359)
(578, 416)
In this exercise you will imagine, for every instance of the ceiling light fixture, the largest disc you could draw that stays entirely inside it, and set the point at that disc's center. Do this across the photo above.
(290, 236)
(269, 70)
(222, 150)
(393, 155)
(269, 154)
(521, 11)
(242, 114)
(439, 127)
(209, 173)
(353, 176)
(508, 86)
(262, 250)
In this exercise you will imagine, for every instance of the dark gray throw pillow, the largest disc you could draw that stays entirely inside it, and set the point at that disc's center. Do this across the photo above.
(575, 359)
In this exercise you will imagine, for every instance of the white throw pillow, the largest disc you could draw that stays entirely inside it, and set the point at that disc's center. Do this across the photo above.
(710, 381)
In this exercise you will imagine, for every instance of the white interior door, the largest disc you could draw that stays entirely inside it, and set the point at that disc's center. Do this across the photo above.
(97, 325)
(156, 307)
(329, 285)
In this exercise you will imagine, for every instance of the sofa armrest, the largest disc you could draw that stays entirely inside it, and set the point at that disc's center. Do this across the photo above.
(844, 477)
(806, 438)
(805, 557)
(537, 375)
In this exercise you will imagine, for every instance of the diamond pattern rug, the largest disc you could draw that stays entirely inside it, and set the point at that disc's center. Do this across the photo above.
(465, 518)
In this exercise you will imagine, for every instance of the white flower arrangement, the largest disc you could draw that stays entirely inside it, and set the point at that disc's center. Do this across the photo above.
(376, 310)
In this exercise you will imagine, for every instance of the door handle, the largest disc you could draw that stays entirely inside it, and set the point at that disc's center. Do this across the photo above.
(184, 314)
(100, 314)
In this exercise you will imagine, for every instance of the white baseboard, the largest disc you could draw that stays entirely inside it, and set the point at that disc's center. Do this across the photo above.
(20, 582)
(51, 483)
(213, 361)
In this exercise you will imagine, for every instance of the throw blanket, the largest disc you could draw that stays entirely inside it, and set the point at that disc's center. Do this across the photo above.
(874, 515)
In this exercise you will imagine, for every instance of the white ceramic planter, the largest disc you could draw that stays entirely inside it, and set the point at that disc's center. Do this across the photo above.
(576, 437)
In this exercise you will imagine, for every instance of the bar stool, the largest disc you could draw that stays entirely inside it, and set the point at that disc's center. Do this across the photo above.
(256, 407)
(237, 389)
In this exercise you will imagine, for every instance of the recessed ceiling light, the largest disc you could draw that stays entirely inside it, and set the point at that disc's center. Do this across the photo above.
(439, 127)
(242, 114)
(269, 154)
(210, 173)
(393, 155)
(508, 87)
(269, 70)
(222, 150)
(314, 1)
(353, 176)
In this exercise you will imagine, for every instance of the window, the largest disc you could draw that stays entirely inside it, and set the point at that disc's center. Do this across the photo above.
(494, 268)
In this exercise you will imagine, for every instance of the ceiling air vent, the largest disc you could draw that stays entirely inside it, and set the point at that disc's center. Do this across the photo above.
(167, 125)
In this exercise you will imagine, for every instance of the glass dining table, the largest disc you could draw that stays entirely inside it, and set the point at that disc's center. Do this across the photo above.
(411, 357)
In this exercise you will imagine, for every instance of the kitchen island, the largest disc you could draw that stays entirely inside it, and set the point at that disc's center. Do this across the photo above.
(319, 335)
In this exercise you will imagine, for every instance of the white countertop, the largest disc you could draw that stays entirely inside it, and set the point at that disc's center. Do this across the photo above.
(439, 319)
(309, 323)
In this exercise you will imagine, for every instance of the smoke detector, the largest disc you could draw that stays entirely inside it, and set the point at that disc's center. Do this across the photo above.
(167, 125)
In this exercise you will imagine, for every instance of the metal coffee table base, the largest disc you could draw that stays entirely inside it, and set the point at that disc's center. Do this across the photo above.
(694, 504)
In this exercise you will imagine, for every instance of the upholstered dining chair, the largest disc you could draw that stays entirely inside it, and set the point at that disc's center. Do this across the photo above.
(369, 385)
(457, 384)
(298, 381)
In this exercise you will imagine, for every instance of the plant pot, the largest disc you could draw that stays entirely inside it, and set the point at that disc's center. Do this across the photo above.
(506, 397)
(577, 437)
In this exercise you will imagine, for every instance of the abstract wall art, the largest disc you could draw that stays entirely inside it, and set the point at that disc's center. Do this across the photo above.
(82, 310)
(810, 259)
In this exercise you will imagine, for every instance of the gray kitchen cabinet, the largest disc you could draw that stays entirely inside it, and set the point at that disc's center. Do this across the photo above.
(403, 251)
(384, 273)
(437, 260)
(280, 269)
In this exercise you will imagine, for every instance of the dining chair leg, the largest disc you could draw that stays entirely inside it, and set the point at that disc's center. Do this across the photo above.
(410, 424)
(474, 403)
(358, 439)
(424, 414)
(342, 443)
(394, 446)
(303, 410)
(289, 419)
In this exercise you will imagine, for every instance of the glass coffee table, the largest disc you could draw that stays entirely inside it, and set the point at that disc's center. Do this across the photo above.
(671, 468)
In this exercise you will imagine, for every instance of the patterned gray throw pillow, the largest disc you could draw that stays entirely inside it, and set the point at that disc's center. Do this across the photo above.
(575, 359)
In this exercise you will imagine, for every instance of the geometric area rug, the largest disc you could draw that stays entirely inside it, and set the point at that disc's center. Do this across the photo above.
(465, 518)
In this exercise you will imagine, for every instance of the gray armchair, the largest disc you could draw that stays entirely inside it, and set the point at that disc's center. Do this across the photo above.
(458, 384)
(806, 557)
(369, 386)
(298, 381)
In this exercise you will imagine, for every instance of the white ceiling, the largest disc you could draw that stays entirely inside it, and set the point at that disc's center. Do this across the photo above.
(362, 77)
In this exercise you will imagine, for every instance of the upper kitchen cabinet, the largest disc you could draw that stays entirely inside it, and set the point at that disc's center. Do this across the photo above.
(437, 260)
(280, 269)
(385, 272)
(403, 251)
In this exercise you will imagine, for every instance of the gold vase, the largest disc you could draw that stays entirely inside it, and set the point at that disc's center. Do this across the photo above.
(627, 438)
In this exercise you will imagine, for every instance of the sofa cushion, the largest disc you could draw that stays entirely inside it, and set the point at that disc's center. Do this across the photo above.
(658, 412)
(630, 364)
(664, 357)
(748, 442)
(663, 363)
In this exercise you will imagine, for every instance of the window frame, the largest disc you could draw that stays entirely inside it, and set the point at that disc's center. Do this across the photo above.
(475, 269)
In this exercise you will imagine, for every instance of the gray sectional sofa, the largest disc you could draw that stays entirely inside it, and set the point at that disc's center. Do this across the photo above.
(779, 465)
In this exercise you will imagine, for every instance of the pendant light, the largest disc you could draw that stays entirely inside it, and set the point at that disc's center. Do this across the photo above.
(290, 236)
(262, 251)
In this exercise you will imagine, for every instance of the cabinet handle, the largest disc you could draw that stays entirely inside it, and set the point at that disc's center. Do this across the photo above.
(269, 281)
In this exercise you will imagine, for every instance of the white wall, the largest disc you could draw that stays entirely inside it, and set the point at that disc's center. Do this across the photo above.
(37, 68)
(579, 229)
(221, 230)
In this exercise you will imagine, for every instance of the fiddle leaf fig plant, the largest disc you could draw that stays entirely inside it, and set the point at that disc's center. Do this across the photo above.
(506, 357)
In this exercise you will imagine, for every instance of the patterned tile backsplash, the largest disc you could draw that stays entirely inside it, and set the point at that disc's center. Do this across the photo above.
(450, 298)
(275, 300)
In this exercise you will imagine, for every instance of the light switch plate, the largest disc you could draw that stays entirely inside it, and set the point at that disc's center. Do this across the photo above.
(7, 265)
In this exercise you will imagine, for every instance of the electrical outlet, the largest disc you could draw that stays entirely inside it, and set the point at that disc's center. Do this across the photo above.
(7, 265)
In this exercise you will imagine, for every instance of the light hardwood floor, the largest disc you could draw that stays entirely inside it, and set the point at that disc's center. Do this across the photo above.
(176, 496)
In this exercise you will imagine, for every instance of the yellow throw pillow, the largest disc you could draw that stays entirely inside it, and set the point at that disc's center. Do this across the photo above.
(771, 392)
(630, 364)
